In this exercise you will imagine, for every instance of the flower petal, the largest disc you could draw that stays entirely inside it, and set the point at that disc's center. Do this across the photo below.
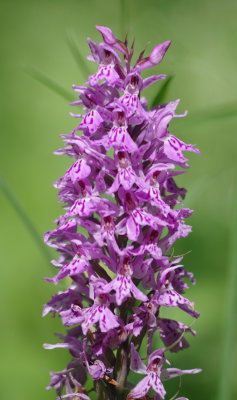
(173, 148)
(136, 363)
(170, 373)
(140, 389)
(120, 138)
(78, 171)
(91, 121)
(107, 320)
(157, 384)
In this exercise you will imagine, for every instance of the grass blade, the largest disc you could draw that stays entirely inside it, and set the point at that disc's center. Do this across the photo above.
(25, 219)
(227, 362)
(161, 95)
(218, 114)
(77, 56)
(49, 83)
(124, 18)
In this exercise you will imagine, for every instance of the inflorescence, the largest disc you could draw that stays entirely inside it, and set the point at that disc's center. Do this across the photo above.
(115, 239)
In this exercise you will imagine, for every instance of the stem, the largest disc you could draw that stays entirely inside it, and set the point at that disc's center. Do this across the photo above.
(122, 368)
(101, 391)
(123, 371)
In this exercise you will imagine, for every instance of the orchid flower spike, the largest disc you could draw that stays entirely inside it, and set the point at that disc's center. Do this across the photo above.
(122, 215)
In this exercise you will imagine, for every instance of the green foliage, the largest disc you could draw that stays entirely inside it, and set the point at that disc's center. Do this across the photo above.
(22, 214)
(227, 365)
(79, 59)
(162, 94)
(49, 83)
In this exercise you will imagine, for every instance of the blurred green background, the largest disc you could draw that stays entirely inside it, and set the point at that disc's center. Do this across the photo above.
(203, 60)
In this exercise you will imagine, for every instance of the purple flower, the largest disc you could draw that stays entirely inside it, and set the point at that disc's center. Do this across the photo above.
(123, 285)
(155, 57)
(122, 215)
(171, 333)
(101, 313)
(155, 374)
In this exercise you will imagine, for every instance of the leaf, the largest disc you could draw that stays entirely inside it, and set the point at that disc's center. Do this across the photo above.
(161, 95)
(49, 83)
(25, 219)
(229, 327)
(77, 55)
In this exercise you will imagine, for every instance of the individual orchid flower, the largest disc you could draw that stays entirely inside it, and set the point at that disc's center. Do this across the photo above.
(126, 177)
(79, 264)
(107, 59)
(118, 136)
(155, 374)
(172, 332)
(123, 285)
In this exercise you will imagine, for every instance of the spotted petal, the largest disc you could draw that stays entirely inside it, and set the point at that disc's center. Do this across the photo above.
(107, 320)
(75, 267)
(157, 384)
(78, 171)
(120, 138)
(125, 177)
(170, 298)
(140, 389)
(106, 72)
(173, 148)
(72, 316)
(170, 373)
(83, 207)
(91, 121)
(140, 217)
(101, 314)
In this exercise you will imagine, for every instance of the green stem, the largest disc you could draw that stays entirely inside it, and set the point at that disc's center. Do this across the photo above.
(101, 390)
(229, 327)
(25, 219)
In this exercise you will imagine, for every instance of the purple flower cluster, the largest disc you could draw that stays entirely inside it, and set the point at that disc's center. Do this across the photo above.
(123, 213)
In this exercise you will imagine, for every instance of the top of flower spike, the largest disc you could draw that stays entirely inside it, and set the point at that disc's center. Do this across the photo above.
(156, 56)
(110, 39)
(107, 34)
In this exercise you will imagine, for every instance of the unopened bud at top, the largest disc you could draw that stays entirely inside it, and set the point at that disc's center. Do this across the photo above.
(158, 52)
(156, 56)
(107, 34)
